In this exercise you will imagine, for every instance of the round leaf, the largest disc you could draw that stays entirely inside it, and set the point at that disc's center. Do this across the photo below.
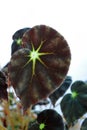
(17, 39)
(80, 88)
(40, 67)
(51, 120)
(72, 109)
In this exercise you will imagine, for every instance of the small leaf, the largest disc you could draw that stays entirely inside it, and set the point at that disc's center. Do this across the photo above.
(80, 88)
(48, 120)
(72, 109)
(17, 39)
(74, 105)
(51, 120)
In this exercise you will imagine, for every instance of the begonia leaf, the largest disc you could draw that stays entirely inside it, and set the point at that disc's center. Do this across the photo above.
(41, 66)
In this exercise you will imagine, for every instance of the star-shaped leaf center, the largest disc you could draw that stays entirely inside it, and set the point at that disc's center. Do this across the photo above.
(41, 126)
(35, 55)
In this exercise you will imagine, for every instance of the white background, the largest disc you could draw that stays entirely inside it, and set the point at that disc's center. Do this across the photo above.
(69, 17)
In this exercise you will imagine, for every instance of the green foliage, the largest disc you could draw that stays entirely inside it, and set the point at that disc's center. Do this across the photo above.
(48, 120)
(40, 59)
(74, 104)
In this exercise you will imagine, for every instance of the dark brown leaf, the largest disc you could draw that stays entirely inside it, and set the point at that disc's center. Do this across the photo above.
(41, 66)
